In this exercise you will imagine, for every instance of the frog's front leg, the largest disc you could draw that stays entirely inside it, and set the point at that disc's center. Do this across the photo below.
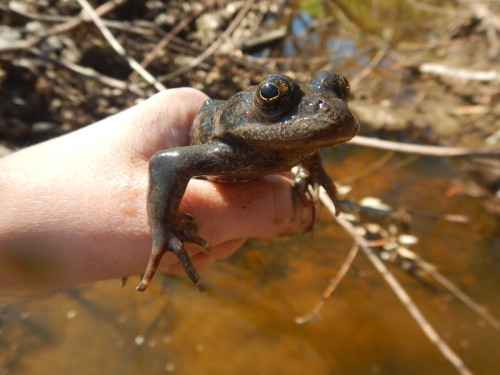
(169, 174)
(311, 173)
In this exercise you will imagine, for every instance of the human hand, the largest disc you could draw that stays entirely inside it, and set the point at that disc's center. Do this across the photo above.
(73, 209)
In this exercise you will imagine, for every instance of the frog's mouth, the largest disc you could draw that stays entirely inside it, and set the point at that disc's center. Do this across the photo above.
(297, 135)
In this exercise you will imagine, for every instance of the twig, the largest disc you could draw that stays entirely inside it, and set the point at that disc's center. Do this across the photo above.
(89, 73)
(118, 47)
(432, 8)
(466, 74)
(369, 68)
(462, 296)
(164, 42)
(421, 149)
(406, 300)
(213, 47)
(370, 169)
(332, 285)
(63, 27)
(33, 16)
(483, 12)
(266, 39)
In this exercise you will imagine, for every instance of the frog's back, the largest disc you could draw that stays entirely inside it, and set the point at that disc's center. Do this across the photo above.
(218, 116)
(203, 124)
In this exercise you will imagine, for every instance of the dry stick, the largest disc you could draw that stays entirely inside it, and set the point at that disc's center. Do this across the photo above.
(421, 149)
(369, 68)
(106, 8)
(118, 47)
(371, 168)
(66, 26)
(214, 46)
(462, 296)
(408, 303)
(332, 285)
(34, 16)
(464, 74)
(150, 56)
(434, 9)
(89, 73)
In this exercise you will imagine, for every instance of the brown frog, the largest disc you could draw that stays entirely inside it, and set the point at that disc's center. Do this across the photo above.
(264, 129)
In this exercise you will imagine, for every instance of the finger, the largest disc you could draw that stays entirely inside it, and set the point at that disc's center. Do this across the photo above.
(261, 208)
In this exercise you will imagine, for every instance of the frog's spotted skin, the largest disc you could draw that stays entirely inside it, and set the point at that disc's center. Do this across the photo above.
(264, 129)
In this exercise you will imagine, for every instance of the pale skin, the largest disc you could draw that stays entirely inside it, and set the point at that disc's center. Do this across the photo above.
(73, 209)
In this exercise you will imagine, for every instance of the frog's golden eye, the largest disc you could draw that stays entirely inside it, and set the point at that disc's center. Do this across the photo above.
(269, 91)
(275, 97)
(343, 88)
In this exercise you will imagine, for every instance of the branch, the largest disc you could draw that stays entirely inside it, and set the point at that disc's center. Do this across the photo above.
(162, 44)
(89, 73)
(466, 74)
(332, 285)
(63, 27)
(405, 299)
(421, 149)
(488, 318)
(213, 47)
(118, 47)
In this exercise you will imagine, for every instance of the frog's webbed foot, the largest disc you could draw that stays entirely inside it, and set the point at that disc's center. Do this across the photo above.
(171, 238)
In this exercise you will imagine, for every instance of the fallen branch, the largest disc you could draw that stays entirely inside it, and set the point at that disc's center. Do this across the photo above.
(213, 47)
(403, 296)
(332, 285)
(162, 44)
(369, 68)
(420, 149)
(462, 296)
(466, 74)
(89, 73)
(118, 47)
(61, 28)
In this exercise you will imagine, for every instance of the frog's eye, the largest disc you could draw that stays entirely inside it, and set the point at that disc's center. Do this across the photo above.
(269, 91)
(332, 82)
(275, 97)
(342, 87)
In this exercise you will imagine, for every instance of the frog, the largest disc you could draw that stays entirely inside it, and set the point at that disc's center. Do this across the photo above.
(276, 126)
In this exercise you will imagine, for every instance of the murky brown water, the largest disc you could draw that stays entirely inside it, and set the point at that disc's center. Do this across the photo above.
(244, 323)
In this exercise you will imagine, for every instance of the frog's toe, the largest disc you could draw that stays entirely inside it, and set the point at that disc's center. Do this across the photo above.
(176, 246)
(187, 222)
(187, 232)
(146, 278)
(188, 236)
(173, 243)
